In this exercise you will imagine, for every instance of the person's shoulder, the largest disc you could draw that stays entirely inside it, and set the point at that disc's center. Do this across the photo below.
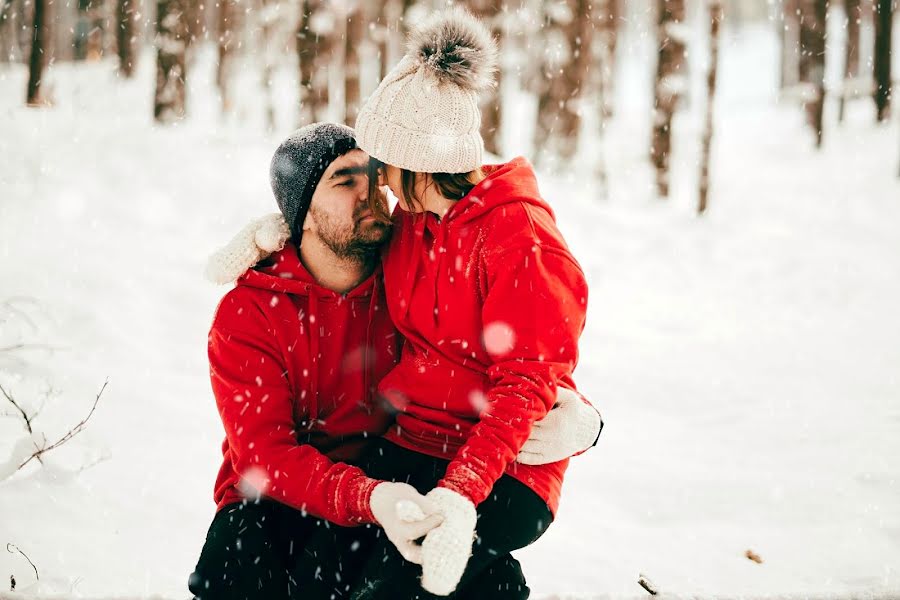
(241, 308)
(522, 226)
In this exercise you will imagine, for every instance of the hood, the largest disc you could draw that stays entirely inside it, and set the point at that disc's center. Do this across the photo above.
(283, 272)
(507, 183)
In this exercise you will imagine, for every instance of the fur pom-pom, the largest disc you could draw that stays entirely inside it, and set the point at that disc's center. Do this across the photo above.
(456, 48)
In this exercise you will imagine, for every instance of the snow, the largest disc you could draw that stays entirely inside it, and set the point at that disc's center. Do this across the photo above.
(746, 362)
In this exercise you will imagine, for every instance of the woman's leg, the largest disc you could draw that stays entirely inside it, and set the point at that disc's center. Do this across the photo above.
(512, 517)
(247, 552)
(502, 578)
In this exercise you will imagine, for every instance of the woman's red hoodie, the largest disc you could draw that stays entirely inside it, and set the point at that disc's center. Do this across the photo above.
(491, 304)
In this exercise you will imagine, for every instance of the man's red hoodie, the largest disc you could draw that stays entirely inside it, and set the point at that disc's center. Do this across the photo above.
(491, 304)
(293, 368)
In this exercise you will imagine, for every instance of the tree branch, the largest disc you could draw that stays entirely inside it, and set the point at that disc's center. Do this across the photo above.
(26, 558)
(69, 435)
(19, 408)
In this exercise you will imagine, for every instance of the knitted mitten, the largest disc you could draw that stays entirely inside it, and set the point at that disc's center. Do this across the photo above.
(569, 428)
(253, 243)
(446, 549)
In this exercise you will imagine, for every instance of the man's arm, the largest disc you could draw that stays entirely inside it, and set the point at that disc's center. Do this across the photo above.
(254, 400)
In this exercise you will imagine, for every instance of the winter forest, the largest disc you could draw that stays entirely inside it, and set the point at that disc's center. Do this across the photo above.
(726, 172)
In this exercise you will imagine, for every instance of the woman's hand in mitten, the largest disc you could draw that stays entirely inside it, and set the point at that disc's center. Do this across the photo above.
(253, 243)
(447, 548)
(572, 426)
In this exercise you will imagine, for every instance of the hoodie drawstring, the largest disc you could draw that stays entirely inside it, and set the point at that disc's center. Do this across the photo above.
(416, 254)
(368, 366)
(312, 319)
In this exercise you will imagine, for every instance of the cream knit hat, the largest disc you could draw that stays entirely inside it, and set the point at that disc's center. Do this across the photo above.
(424, 115)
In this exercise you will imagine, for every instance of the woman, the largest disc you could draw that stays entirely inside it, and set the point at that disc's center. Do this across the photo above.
(489, 300)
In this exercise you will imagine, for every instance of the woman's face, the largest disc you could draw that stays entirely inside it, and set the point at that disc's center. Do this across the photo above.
(390, 176)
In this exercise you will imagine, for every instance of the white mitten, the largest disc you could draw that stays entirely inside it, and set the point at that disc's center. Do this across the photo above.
(253, 243)
(447, 548)
(405, 515)
(569, 428)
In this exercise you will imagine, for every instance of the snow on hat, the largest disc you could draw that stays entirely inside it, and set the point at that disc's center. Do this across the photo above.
(424, 115)
(298, 165)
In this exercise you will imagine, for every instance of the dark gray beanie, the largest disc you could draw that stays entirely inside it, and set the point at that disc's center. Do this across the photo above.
(298, 166)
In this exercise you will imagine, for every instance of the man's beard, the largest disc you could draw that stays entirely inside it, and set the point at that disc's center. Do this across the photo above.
(361, 242)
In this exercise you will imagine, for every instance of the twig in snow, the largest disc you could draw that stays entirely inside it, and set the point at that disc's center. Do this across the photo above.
(753, 556)
(26, 558)
(70, 434)
(29, 347)
(19, 408)
(647, 585)
(25, 416)
(103, 457)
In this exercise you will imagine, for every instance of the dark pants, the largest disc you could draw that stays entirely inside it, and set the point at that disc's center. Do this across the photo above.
(512, 517)
(266, 550)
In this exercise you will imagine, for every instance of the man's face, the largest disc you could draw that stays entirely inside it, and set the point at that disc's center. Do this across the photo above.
(339, 213)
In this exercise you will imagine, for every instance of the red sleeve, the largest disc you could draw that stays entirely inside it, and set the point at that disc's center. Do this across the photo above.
(254, 400)
(538, 295)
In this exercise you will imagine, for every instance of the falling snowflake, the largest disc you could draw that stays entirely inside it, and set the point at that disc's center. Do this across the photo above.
(254, 482)
(499, 338)
(478, 400)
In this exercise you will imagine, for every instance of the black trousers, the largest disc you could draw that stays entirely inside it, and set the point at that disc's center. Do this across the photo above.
(269, 551)
(512, 517)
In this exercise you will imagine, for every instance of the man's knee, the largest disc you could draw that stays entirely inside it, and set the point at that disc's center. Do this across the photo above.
(503, 578)
(240, 559)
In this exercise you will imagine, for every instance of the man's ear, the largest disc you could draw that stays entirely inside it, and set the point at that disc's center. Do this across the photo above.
(309, 223)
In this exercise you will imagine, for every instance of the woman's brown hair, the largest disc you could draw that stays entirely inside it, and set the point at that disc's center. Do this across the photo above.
(453, 186)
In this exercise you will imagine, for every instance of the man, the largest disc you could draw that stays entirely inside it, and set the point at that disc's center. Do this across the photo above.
(296, 350)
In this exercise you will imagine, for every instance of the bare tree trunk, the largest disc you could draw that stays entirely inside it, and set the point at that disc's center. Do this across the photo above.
(41, 33)
(884, 15)
(566, 71)
(227, 41)
(356, 33)
(313, 53)
(853, 12)
(715, 16)
(608, 16)
(5, 10)
(195, 16)
(491, 101)
(171, 34)
(812, 61)
(380, 16)
(671, 80)
(9, 50)
(126, 29)
(790, 42)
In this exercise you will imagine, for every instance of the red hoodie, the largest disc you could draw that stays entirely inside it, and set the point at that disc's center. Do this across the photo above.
(293, 367)
(491, 303)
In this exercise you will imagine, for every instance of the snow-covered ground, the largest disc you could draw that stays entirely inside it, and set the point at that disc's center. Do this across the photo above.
(747, 363)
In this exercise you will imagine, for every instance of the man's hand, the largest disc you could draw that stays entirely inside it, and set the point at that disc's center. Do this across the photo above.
(405, 515)
(572, 426)
(447, 548)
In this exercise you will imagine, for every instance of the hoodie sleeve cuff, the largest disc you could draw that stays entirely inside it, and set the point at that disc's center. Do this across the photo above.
(358, 500)
(466, 483)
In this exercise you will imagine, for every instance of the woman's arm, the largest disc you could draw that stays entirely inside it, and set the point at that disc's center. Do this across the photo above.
(533, 315)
